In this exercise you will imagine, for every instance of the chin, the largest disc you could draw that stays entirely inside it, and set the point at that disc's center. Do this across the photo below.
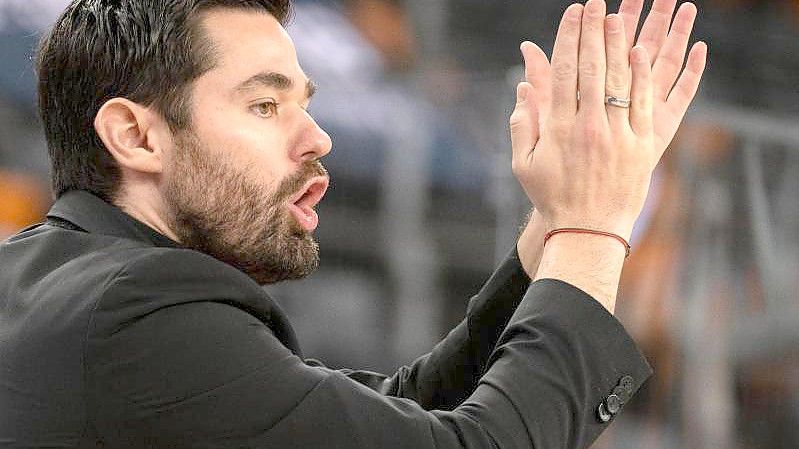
(287, 267)
(282, 256)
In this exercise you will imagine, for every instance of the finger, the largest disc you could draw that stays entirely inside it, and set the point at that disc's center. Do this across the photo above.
(564, 65)
(672, 55)
(641, 92)
(592, 64)
(617, 79)
(685, 89)
(524, 131)
(538, 73)
(630, 12)
(656, 27)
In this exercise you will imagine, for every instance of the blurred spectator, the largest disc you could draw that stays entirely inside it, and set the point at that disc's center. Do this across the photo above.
(24, 198)
(359, 52)
(22, 202)
(21, 24)
(23, 165)
(754, 46)
(386, 25)
(487, 34)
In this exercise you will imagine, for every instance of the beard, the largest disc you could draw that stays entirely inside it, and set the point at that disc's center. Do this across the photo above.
(216, 208)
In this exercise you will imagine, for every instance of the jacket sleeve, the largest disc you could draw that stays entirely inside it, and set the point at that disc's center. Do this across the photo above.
(206, 374)
(444, 377)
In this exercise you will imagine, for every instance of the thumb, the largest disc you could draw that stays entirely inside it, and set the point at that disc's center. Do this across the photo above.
(538, 73)
(524, 130)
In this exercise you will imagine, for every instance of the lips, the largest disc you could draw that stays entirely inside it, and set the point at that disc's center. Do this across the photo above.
(301, 205)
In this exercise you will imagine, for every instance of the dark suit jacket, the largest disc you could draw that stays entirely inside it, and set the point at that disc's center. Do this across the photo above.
(112, 335)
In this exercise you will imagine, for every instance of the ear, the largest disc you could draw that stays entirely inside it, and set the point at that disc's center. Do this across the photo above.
(136, 136)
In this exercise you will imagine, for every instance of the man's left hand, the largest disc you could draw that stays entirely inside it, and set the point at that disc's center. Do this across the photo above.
(674, 88)
(666, 43)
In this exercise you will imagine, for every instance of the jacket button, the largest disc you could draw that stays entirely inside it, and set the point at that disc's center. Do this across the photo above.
(627, 383)
(602, 413)
(613, 404)
(622, 393)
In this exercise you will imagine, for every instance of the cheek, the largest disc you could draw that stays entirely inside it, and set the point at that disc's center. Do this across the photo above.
(257, 147)
(261, 150)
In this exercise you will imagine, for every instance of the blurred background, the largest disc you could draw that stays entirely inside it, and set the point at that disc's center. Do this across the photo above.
(416, 95)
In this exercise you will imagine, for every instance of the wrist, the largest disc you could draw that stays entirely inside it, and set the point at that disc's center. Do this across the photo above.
(624, 242)
(590, 262)
(618, 224)
(529, 245)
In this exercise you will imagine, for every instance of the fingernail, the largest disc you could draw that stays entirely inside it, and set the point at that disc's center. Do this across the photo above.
(613, 23)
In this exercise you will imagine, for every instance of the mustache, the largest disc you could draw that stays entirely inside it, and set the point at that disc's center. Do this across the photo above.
(295, 182)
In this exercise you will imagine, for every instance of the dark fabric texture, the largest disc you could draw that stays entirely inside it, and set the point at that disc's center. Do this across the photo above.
(112, 335)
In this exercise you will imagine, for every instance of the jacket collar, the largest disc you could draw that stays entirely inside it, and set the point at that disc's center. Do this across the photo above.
(92, 214)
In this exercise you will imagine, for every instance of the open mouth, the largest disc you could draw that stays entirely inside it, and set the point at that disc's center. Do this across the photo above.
(301, 205)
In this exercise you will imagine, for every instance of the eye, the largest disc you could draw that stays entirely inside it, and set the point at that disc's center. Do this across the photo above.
(265, 109)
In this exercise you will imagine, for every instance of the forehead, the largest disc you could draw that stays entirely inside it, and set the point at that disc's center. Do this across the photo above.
(246, 42)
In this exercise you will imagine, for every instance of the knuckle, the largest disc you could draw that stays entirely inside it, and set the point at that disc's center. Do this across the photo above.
(590, 69)
(643, 105)
(563, 69)
(592, 131)
(687, 90)
(517, 124)
(561, 132)
(646, 39)
(616, 81)
(516, 167)
(694, 70)
(642, 73)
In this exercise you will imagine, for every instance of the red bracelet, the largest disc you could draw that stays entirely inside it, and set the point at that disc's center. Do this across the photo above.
(592, 232)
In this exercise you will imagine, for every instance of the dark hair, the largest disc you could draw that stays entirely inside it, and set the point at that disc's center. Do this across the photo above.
(146, 51)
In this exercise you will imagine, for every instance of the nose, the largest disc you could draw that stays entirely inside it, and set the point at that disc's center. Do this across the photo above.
(315, 142)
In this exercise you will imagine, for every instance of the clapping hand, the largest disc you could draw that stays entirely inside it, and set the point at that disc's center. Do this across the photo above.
(584, 162)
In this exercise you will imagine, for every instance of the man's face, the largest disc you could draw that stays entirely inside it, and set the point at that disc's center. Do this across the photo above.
(240, 185)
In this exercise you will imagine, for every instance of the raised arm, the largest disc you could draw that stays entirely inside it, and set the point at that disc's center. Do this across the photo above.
(444, 377)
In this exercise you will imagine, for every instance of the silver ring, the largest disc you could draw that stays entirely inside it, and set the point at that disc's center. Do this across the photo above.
(610, 100)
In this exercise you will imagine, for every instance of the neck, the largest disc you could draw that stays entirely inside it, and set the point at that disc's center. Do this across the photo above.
(147, 206)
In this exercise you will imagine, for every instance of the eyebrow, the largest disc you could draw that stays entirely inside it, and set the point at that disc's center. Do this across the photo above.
(274, 80)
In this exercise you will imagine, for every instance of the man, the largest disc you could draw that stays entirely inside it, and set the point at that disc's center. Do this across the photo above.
(186, 170)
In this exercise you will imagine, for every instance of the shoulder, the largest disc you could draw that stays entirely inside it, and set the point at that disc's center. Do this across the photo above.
(179, 271)
(155, 279)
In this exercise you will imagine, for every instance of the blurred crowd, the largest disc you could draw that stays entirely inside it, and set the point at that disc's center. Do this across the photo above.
(416, 96)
